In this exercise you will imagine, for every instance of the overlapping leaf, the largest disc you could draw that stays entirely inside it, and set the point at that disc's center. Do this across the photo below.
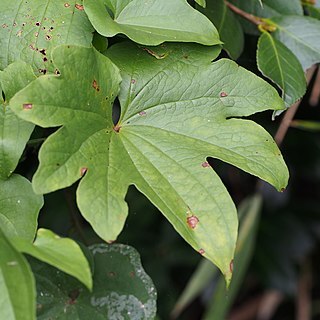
(301, 36)
(175, 105)
(19, 208)
(31, 28)
(17, 286)
(62, 253)
(122, 289)
(229, 28)
(280, 65)
(151, 22)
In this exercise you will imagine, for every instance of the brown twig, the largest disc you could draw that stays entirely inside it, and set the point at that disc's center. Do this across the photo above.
(289, 115)
(248, 16)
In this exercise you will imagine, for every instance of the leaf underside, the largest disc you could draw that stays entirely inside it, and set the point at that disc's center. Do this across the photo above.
(177, 108)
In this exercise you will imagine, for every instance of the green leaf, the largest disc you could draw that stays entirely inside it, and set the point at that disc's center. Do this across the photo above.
(301, 36)
(175, 105)
(19, 208)
(151, 22)
(121, 289)
(201, 3)
(17, 287)
(30, 29)
(62, 253)
(306, 125)
(280, 65)
(229, 28)
(222, 299)
(14, 132)
(249, 211)
(270, 8)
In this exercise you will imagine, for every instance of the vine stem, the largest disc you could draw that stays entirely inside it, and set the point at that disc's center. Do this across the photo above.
(248, 16)
(290, 113)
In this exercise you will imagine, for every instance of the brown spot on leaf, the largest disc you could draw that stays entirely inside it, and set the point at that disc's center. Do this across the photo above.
(14, 24)
(133, 81)
(43, 51)
(45, 59)
(38, 24)
(205, 164)
(66, 5)
(223, 94)
(95, 85)
(48, 37)
(202, 252)
(142, 113)
(132, 274)
(111, 274)
(231, 266)
(57, 72)
(186, 56)
(192, 221)
(4, 26)
(19, 33)
(79, 7)
(83, 170)
(117, 128)
(36, 34)
(44, 71)
(27, 106)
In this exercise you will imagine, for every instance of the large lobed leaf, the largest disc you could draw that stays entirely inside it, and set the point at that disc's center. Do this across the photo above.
(279, 64)
(177, 109)
(31, 28)
(121, 290)
(151, 22)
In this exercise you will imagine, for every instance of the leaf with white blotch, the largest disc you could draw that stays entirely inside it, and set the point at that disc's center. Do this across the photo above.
(301, 36)
(17, 285)
(175, 104)
(270, 8)
(19, 208)
(280, 65)
(229, 28)
(30, 29)
(121, 290)
(62, 253)
(151, 22)
(14, 132)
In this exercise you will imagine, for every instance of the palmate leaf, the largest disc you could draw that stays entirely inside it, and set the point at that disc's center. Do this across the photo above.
(31, 28)
(280, 65)
(175, 105)
(151, 22)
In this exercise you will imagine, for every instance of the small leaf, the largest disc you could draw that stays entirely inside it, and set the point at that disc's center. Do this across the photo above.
(62, 253)
(151, 22)
(121, 289)
(176, 111)
(301, 36)
(17, 287)
(14, 132)
(30, 29)
(201, 3)
(280, 65)
(228, 26)
(19, 208)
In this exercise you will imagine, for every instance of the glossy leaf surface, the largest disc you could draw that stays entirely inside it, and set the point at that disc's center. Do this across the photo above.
(121, 289)
(62, 253)
(280, 65)
(151, 22)
(175, 104)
